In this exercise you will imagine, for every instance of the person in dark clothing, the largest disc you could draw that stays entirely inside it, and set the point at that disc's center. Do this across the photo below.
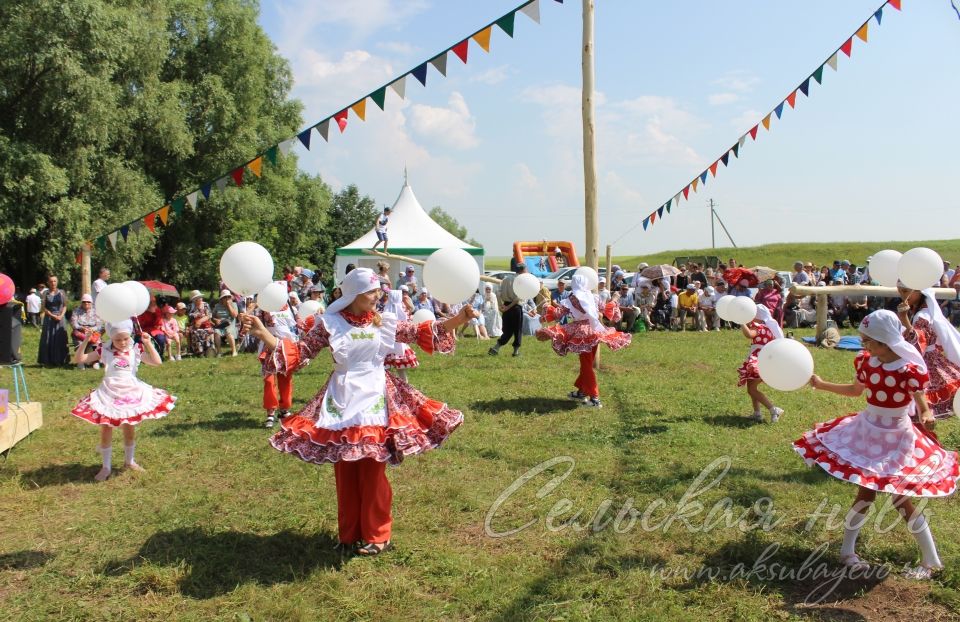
(512, 312)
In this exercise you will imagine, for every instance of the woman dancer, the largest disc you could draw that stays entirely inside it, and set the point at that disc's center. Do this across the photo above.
(938, 341)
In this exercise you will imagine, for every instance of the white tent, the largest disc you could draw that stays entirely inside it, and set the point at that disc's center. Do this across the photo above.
(411, 232)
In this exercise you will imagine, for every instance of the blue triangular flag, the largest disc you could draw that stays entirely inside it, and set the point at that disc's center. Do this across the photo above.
(646, 221)
(725, 158)
(206, 191)
(420, 73)
(779, 110)
(304, 137)
(660, 212)
(805, 87)
(124, 230)
(703, 178)
(879, 15)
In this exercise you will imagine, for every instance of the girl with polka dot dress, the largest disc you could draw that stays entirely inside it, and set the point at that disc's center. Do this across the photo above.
(761, 331)
(879, 448)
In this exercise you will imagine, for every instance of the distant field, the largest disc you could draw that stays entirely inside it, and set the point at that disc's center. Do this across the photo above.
(779, 256)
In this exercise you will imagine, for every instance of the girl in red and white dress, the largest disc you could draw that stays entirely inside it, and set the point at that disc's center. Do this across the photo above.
(121, 400)
(403, 357)
(939, 343)
(363, 417)
(761, 331)
(583, 334)
(879, 448)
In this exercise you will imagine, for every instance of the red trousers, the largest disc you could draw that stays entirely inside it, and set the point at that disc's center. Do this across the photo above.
(270, 385)
(364, 498)
(587, 380)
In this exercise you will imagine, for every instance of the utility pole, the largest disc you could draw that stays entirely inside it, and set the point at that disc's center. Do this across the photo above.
(713, 240)
(714, 214)
(591, 217)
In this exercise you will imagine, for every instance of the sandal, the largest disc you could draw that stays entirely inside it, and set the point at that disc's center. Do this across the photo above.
(853, 562)
(373, 548)
(922, 573)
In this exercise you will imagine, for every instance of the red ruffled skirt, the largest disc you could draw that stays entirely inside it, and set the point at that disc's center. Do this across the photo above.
(408, 360)
(862, 450)
(749, 370)
(580, 337)
(160, 403)
(416, 424)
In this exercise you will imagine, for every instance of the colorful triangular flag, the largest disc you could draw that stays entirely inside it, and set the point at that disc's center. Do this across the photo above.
(124, 230)
(894, 3)
(179, 203)
(532, 11)
(668, 204)
(399, 85)
(847, 47)
(304, 137)
(483, 38)
(255, 166)
(360, 109)
(222, 183)
(460, 50)
(506, 22)
(753, 130)
(725, 158)
(703, 179)
(862, 32)
(818, 75)
(740, 143)
(778, 110)
(192, 197)
(693, 184)
(420, 73)
(151, 221)
(713, 168)
(271, 154)
(653, 217)
(879, 15)
(646, 223)
(324, 129)
(136, 226)
(660, 211)
(341, 119)
(102, 243)
(379, 96)
(113, 239)
(792, 99)
(805, 87)
(205, 189)
(686, 193)
(237, 175)
(440, 63)
(766, 121)
(286, 145)
(832, 61)
(736, 148)
(164, 212)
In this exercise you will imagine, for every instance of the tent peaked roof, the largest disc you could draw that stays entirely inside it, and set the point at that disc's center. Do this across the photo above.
(410, 227)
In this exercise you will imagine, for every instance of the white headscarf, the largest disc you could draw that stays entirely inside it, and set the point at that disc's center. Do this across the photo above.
(359, 281)
(587, 300)
(126, 326)
(947, 335)
(763, 314)
(395, 305)
(884, 326)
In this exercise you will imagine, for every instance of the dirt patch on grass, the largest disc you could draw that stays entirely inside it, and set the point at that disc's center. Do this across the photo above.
(892, 600)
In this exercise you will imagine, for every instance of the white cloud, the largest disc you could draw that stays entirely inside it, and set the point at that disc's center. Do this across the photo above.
(525, 177)
(492, 76)
(746, 120)
(719, 99)
(360, 17)
(738, 80)
(451, 126)
(397, 48)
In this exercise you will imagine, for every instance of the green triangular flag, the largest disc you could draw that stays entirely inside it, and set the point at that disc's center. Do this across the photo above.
(379, 96)
(102, 243)
(736, 150)
(272, 155)
(818, 75)
(178, 205)
(506, 22)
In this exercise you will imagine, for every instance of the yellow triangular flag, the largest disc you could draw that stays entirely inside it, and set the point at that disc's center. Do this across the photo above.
(766, 122)
(862, 33)
(483, 38)
(360, 108)
(164, 213)
(256, 166)
(696, 180)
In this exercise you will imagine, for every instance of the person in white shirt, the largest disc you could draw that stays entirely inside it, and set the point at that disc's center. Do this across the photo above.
(33, 308)
(100, 283)
(707, 302)
(799, 277)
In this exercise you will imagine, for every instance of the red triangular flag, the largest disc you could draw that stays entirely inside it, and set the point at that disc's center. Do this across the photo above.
(894, 3)
(713, 168)
(341, 119)
(792, 99)
(237, 175)
(460, 50)
(653, 217)
(151, 222)
(753, 132)
(847, 47)
(686, 193)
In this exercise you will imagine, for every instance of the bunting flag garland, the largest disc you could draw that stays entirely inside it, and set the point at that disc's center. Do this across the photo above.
(862, 33)
(481, 38)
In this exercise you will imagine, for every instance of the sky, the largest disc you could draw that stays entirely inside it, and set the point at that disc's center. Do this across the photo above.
(871, 155)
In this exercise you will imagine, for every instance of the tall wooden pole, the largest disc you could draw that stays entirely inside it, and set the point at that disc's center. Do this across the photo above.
(85, 274)
(591, 217)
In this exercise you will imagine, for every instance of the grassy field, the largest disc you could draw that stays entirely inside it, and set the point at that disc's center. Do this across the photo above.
(222, 527)
(780, 256)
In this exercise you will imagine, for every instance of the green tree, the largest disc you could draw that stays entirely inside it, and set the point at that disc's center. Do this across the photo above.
(110, 108)
(450, 223)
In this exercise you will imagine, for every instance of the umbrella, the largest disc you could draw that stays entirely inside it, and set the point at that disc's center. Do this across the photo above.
(160, 289)
(763, 273)
(658, 272)
(735, 275)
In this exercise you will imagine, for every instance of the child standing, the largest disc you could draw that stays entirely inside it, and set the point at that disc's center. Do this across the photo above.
(171, 328)
(938, 342)
(121, 400)
(282, 325)
(879, 448)
(381, 229)
(761, 331)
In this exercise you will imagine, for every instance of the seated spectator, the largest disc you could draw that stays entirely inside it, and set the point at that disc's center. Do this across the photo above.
(561, 292)
(224, 318)
(660, 317)
(837, 306)
(697, 274)
(708, 318)
(629, 311)
(837, 273)
(688, 303)
(770, 295)
(409, 279)
(183, 326)
(646, 301)
(531, 319)
(86, 323)
(151, 324)
(201, 326)
(602, 292)
(857, 309)
(424, 301)
(799, 276)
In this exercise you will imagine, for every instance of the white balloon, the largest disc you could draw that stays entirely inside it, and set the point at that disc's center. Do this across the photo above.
(590, 274)
(526, 286)
(785, 364)
(115, 303)
(272, 297)
(451, 275)
(246, 267)
(741, 310)
(920, 268)
(310, 307)
(883, 267)
(722, 305)
(140, 294)
(423, 315)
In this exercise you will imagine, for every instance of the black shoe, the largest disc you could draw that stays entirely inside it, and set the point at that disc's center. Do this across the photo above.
(516, 352)
(283, 414)
(493, 352)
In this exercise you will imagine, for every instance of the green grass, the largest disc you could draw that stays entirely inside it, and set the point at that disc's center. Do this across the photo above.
(780, 256)
(222, 527)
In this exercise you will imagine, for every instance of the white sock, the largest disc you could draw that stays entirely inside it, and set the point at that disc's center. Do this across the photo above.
(852, 524)
(921, 533)
(128, 453)
(107, 454)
